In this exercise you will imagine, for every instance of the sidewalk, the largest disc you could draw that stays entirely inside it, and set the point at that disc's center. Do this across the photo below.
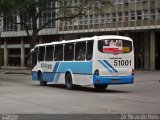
(15, 71)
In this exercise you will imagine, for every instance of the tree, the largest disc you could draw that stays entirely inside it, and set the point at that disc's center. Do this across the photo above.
(32, 10)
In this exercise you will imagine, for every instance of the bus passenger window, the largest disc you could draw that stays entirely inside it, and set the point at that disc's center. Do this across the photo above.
(89, 50)
(41, 53)
(80, 51)
(34, 56)
(69, 52)
(49, 53)
(58, 54)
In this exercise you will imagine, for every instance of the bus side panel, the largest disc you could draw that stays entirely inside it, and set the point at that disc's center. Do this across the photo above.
(80, 79)
(48, 76)
(34, 75)
(76, 67)
(81, 72)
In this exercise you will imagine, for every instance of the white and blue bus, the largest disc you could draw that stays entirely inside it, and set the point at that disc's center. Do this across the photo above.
(98, 61)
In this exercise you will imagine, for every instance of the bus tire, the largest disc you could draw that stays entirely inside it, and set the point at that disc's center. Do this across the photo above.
(101, 87)
(40, 78)
(69, 82)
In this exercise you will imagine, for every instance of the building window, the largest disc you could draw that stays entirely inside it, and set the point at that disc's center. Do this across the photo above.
(139, 0)
(1, 23)
(27, 20)
(75, 22)
(144, 0)
(139, 15)
(8, 24)
(133, 18)
(120, 1)
(152, 1)
(81, 20)
(76, 2)
(97, 20)
(91, 18)
(48, 16)
(61, 23)
(102, 18)
(66, 23)
(119, 17)
(152, 14)
(70, 23)
(114, 2)
(114, 17)
(158, 14)
(108, 18)
(146, 15)
(126, 17)
(1, 20)
(86, 20)
(132, 1)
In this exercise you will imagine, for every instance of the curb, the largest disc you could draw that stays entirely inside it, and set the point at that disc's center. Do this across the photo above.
(17, 73)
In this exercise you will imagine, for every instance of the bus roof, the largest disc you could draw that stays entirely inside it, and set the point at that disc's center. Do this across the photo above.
(87, 39)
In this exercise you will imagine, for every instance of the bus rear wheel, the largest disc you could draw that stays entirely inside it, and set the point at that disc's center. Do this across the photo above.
(69, 82)
(100, 87)
(41, 82)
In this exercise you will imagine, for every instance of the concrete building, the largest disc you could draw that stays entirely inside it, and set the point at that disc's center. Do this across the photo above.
(138, 19)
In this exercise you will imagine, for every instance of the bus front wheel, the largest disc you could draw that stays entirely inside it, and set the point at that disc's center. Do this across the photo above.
(69, 82)
(100, 87)
(40, 78)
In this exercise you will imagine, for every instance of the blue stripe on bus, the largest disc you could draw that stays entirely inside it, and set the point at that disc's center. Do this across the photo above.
(55, 70)
(110, 66)
(82, 67)
(113, 79)
(76, 67)
(50, 76)
(102, 62)
(34, 75)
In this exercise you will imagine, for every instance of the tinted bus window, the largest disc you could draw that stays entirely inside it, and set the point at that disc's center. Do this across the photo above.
(115, 46)
(58, 55)
(41, 53)
(49, 53)
(34, 56)
(69, 52)
(89, 50)
(80, 51)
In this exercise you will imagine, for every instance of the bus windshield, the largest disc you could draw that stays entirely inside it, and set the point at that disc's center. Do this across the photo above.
(114, 46)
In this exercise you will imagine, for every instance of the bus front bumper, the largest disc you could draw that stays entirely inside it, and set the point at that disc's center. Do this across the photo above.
(113, 79)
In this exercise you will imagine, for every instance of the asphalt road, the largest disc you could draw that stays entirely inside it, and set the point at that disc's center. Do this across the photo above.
(20, 95)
